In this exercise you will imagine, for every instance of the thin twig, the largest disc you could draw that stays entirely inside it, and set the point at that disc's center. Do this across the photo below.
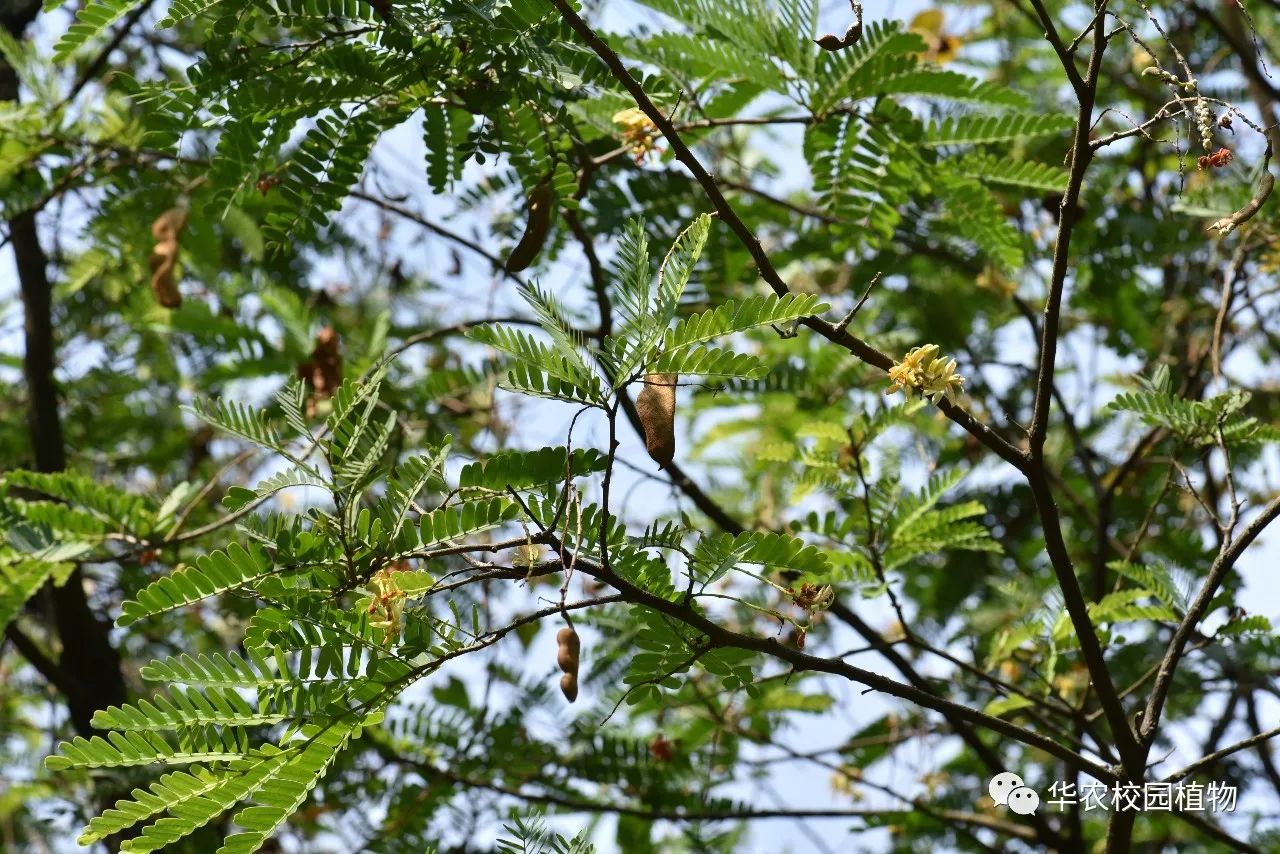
(853, 312)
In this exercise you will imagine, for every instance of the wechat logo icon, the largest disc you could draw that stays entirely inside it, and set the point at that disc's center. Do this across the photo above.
(1008, 789)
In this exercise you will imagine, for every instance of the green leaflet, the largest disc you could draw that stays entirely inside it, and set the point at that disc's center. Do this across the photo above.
(240, 420)
(862, 175)
(444, 131)
(1220, 418)
(321, 171)
(977, 130)
(92, 18)
(732, 317)
(115, 507)
(710, 362)
(709, 57)
(274, 780)
(883, 50)
(214, 573)
(1155, 578)
(1125, 606)
(191, 812)
(677, 267)
(472, 517)
(1005, 171)
(121, 749)
(280, 795)
(180, 10)
(214, 669)
(19, 581)
(721, 552)
(189, 708)
(523, 469)
(169, 791)
(978, 216)
(541, 366)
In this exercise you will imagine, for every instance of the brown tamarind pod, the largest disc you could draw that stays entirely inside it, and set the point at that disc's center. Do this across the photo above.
(567, 656)
(661, 748)
(656, 405)
(323, 371)
(569, 686)
(832, 42)
(570, 648)
(166, 230)
(542, 208)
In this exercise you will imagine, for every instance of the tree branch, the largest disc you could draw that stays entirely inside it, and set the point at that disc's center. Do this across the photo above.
(801, 661)
(858, 347)
(571, 804)
(1243, 744)
(93, 679)
(1227, 557)
(44, 665)
(962, 728)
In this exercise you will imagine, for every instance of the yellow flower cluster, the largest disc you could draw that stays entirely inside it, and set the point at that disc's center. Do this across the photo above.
(638, 132)
(813, 598)
(387, 604)
(923, 370)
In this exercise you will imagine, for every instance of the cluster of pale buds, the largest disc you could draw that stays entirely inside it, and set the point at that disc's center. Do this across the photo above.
(1187, 86)
(1205, 122)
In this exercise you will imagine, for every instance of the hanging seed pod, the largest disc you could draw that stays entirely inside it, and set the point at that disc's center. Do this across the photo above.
(164, 256)
(323, 371)
(662, 749)
(832, 42)
(656, 405)
(570, 648)
(567, 656)
(542, 208)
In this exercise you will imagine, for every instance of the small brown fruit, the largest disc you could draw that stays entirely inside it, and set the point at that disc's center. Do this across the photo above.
(656, 405)
(542, 208)
(662, 749)
(570, 647)
(568, 657)
(323, 371)
(832, 42)
(164, 256)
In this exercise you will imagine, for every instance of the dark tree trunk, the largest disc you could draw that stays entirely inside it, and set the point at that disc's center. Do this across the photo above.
(89, 666)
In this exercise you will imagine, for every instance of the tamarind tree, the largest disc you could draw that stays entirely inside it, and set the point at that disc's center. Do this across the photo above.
(520, 425)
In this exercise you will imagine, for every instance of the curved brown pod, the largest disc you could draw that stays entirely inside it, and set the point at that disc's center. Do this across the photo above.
(164, 256)
(570, 646)
(568, 656)
(656, 405)
(833, 42)
(323, 371)
(542, 208)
